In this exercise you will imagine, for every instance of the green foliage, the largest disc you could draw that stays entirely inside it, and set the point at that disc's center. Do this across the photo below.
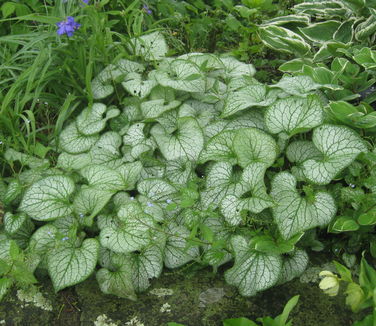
(173, 164)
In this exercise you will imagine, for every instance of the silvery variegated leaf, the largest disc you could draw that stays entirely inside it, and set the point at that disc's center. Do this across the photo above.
(169, 121)
(117, 281)
(89, 201)
(246, 97)
(236, 68)
(66, 225)
(240, 82)
(220, 148)
(92, 120)
(69, 162)
(48, 199)
(69, 265)
(293, 265)
(135, 134)
(146, 265)
(182, 75)
(339, 147)
(302, 150)
(179, 171)
(106, 150)
(294, 213)
(254, 145)
(14, 223)
(203, 112)
(206, 61)
(222, 180)
(153, 208)
(136, 86)
(178, 251)
(157, 189)
(44, 239)
(294, 114)
(253, 271)
(73, 142)
(254, 197)
(297, 85)
(150, 46)
(186, 141)
(154, 108)
(131, 231)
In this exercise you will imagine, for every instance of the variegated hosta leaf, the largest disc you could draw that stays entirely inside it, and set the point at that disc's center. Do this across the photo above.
(92, 120)
(246, 97)
(236, 68)
(48, 198)
(146, 265)
(69, 265)
(150, 47)
(136, 86)
(157, 189)
(68, 161)
(179, 171)
(293, 213)
(177, 251)
(254, 197)
(220, 148)
(89, 201)
(182, 75)
(339, 146)
(106, 150)
(253, 145)
(73, 142)
(253, 271)
(293, 266)
(130, 231)
(294, 114)
(297, 85)
(155, 108)
(302, 150)
(223, 180)
(186, 141)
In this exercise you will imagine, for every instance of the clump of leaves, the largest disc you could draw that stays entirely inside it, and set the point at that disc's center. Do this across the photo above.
(198, 161)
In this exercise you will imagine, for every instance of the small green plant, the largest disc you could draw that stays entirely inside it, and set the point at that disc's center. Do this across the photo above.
(360, 295)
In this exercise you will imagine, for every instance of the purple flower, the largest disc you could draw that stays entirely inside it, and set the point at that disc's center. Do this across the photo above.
(149, 204)
(86, 1)
(67, 26)
(168, 201)
(65, 239)
(147, 9)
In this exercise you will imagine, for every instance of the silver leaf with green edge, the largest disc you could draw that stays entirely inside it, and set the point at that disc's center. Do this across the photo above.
(298, 85)
(293, 115)
(150, 46)
(179, 171)
(246, 97)
(254, 197)
(131, 231)
(106, 150)
(186, 141)
(254, 145)
(73, 142)
(220, 148)
(293, 265)
(13, 223)
(339, 147)
(155, 108)
(293, 213)
(203, 112)
(222, 180)
(253, 271)
(178, 251)
(68, 161)
(157, 189)
(136, 86)
(43, 239)
(69, 265)
(182, 75)
(92, 120)
(235, 68)
(49, 198)
(301, 150)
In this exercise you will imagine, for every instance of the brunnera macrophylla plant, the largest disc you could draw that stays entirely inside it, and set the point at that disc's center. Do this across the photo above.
(185, 159)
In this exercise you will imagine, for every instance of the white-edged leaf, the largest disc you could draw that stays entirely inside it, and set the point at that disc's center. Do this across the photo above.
(186, 141)
(297, 85)
(130, 231)
(69, 265)
(294, 213)
(177, 251)
(92, 120)
(150, 46)
(253, 271)
(48, 199)
(339, 146)
(73, 142)
(246, 97)
(254, 145)
(294, 114)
